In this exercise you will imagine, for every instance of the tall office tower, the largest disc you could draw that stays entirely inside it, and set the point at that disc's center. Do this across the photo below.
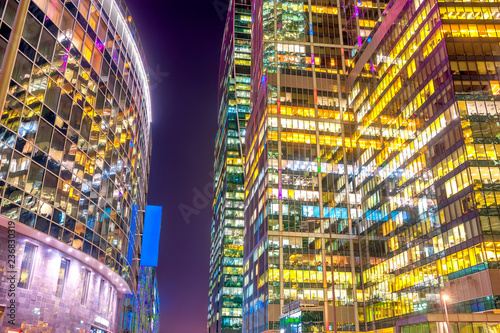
(426, 90)
(226, 256)
(75, 148)
(298, 138)
(397, 196)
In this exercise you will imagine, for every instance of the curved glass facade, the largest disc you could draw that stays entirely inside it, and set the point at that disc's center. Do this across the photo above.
(75, 128)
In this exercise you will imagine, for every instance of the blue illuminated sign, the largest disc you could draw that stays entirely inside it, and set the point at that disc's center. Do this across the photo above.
(151, 236)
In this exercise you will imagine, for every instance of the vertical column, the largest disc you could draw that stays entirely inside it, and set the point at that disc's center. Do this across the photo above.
(12, 47)
(280, 180)
(346, 174)
(318, 159)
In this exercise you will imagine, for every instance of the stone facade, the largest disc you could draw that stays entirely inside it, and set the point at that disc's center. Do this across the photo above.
(38, 309)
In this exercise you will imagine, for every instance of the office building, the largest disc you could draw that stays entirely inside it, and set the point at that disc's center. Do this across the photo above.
(371, 175)
(75, 147)
(300, 59)
(427, 196)
(226, 255)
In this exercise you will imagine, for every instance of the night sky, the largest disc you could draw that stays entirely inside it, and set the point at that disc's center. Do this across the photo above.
(182, 42)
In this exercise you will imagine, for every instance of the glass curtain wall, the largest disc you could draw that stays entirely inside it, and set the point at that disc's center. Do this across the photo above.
(226, 258)
(75, 128)
(371, 150)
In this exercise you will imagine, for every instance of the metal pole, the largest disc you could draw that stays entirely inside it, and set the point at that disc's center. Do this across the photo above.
(9, 59)
(446, 314)
(325, 288)
(333, 279)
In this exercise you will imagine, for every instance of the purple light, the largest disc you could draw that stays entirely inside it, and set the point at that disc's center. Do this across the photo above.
(64, 59)
(356, 10)
(280, 193)
(99, 44)
(359, 41)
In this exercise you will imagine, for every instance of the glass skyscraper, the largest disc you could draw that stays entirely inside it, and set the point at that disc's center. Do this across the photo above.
(426, 89)
(301, 54)
(75, 147)
(226, 256)
(371, 168)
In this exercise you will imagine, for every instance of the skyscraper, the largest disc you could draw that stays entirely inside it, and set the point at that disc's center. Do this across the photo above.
(75, 147)
(370, 172)
(296, 138)
(226, 256)
(427, 196)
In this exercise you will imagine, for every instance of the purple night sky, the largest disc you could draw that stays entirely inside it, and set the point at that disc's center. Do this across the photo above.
(183, 39)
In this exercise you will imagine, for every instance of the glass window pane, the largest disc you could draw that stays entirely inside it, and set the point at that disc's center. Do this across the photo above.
(62, 277)
(26, 266)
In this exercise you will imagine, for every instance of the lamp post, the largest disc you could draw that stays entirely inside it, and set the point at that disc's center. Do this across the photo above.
(446, 298)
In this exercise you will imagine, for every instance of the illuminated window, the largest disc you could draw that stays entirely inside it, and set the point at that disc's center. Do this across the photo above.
(495, 87)
(61, 280)
(27, 266)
